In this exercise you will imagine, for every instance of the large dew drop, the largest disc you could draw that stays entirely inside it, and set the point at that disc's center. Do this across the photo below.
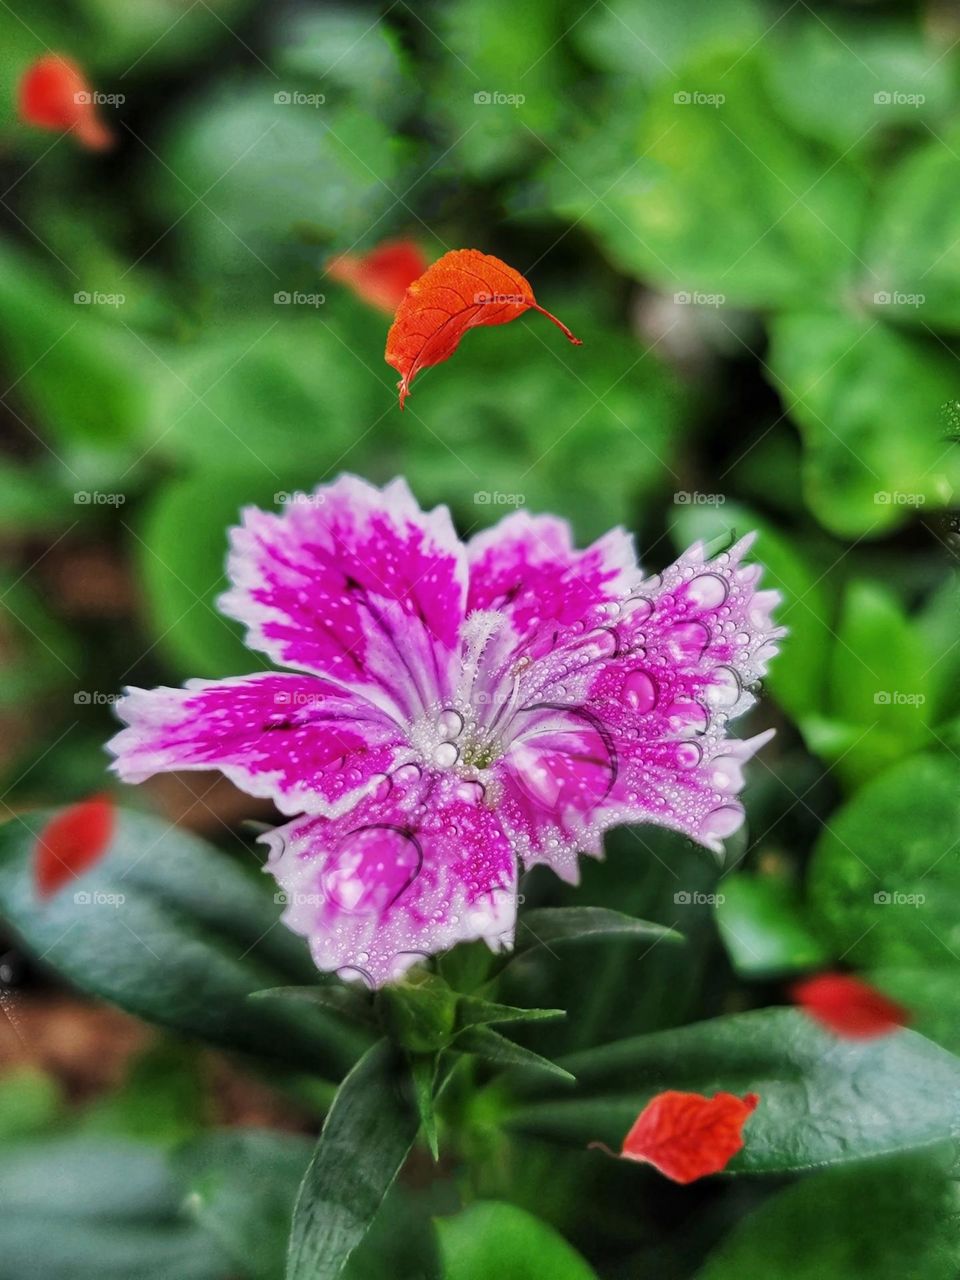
(639, 691)
(371, 869)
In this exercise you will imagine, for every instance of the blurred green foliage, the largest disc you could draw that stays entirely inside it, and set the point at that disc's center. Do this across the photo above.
(750, 213)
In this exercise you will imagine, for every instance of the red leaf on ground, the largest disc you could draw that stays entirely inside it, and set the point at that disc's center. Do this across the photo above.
(463, 289)
(54, 94)
(72, 843)
(848, 1006)
(686, 1135)
(382, 276)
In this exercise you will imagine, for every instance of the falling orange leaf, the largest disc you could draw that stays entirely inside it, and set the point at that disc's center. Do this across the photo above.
(848, 1006)
(463, 289)
(72, 843)
(382, 276)
(687, 1135)
(54, 94)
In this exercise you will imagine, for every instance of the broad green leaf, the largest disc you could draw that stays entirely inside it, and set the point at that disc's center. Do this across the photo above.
(852, 385)
(884, 882)
(654, 41)
(346, 50)
(170, 929)
(489, 1238)
(84, 378)
(181, 550)
(823, 1100)
(884, 877)
(89, 1209)
(877, 684)
(937, 624)
(362, 1147)
(240, 1186)
(889, 1221)
(852, 79)
(722, 199)
(268, 164)
(913, 243)
(500, 1052)
(763, 927)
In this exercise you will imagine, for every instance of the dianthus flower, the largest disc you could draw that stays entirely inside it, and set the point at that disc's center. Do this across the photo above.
(458, 710)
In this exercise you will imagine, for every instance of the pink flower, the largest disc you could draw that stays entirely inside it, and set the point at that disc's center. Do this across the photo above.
(455, 709)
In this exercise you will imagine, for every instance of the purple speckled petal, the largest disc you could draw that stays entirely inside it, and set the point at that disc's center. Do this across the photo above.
(659, 675)
(415, 868)
(527, 567)
(357, 585)
(296, 740)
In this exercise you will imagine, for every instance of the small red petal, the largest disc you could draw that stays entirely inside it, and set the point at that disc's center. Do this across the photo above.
(54, 94)
(382, 276)
(72, 843)
(687, 1135)
(846, 1005)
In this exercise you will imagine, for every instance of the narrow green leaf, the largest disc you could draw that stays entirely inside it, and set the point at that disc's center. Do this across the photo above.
(473, 1012)
(335, 996)
(554, 926)
(823, 1100)
(362, 1147)
(423, 1068)
(501, 1052)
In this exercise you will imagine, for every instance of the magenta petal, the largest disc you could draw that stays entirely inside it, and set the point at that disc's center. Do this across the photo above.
(527, 567)
(355, 584)
(294, 739)
(410, 871)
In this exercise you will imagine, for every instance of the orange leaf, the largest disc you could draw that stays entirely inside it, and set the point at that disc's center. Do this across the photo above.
(72, 843)
(686, 1135)
(54, 94)
(849, 1007)
(465, 288)
(382, 276)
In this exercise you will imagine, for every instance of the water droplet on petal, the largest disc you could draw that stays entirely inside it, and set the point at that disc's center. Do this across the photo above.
(446, 755)
(450, 724)
(707, 591)
(721, 822)
(639, 691)
(407, 775)
(688, 754)
(688, 719)
(371, 868)
(726, 773)
(686, 641)
(724, 688)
